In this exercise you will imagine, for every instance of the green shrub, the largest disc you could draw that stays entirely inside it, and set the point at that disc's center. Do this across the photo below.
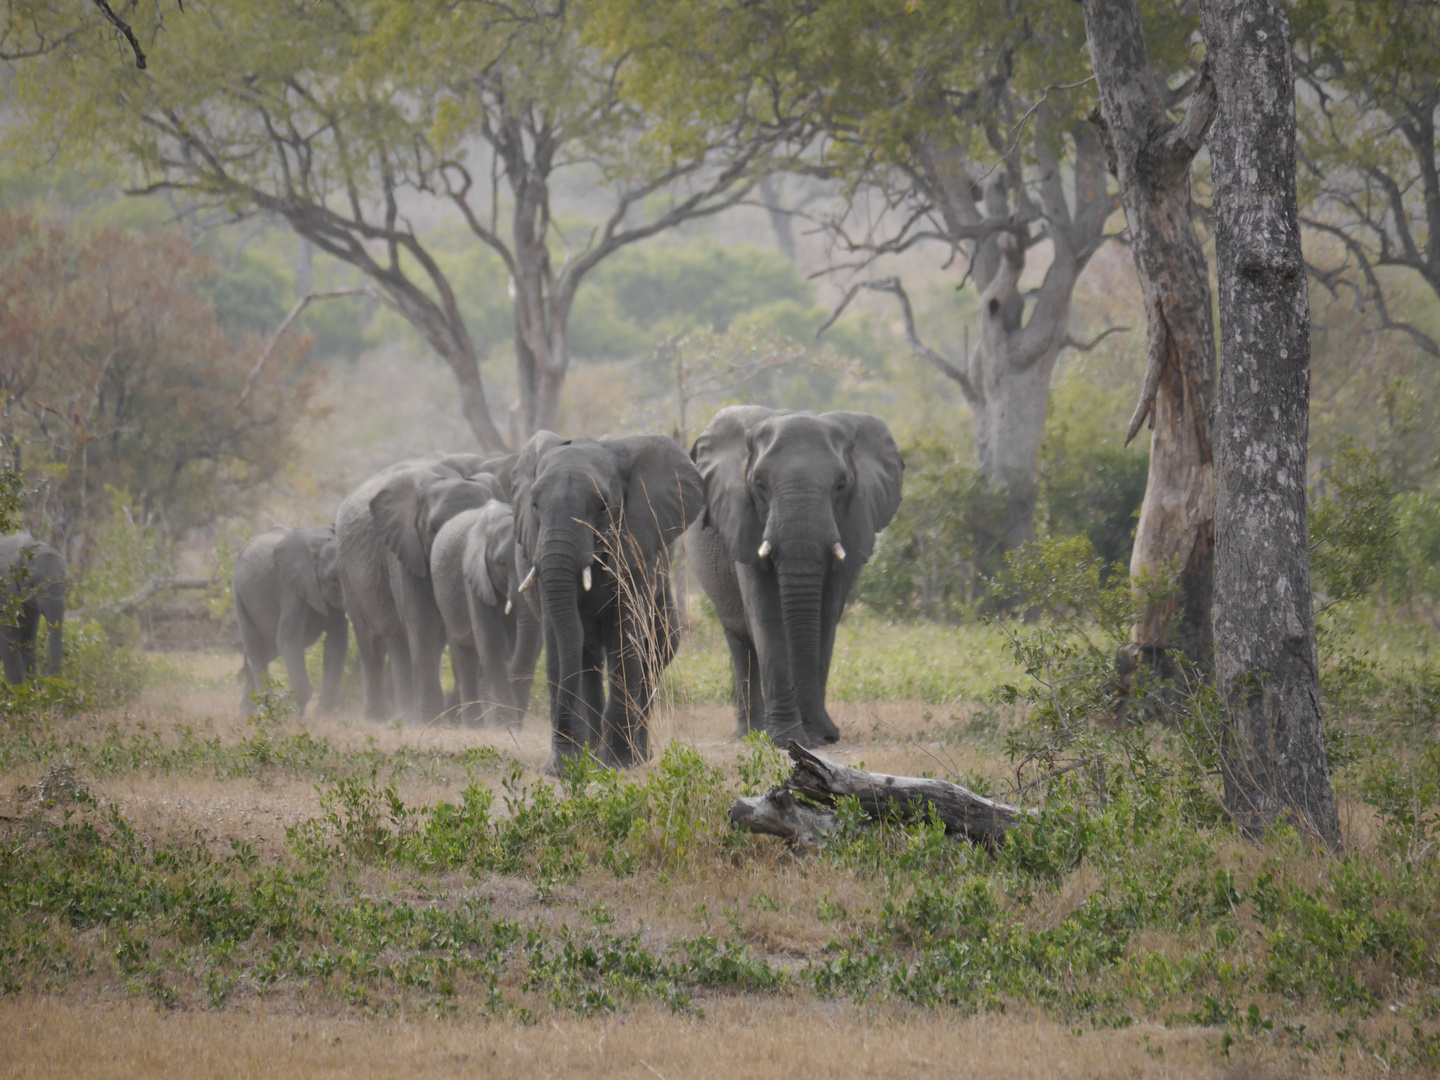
(1353, 528)
(933, 558)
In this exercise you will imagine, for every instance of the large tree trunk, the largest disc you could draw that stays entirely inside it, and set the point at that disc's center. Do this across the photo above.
(1265, 657)
(1006, 378)
(1152, 159)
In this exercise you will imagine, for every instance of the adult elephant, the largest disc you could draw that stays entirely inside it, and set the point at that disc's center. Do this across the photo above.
(494, 634)
(287, 593)
(33, 579)
(384, 529)
(594, 522)
(792, 505)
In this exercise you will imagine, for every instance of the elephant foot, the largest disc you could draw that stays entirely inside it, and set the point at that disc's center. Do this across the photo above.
(818, 737)
(624, 757)
(559, 764)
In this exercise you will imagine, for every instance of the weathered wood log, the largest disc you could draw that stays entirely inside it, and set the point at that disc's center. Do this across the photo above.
(778, 813)
(880, 795)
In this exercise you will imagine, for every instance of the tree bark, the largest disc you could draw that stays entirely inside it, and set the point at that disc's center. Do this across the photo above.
(1273, 754)
(880, 795)
(1152, 158)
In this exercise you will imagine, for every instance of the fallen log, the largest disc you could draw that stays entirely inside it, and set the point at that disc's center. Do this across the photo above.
(806, 823)
(157, 583)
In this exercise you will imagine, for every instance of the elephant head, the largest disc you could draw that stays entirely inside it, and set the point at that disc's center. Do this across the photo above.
(414, 503)
(490, 558)
(307, 563)
(801, 497)
(589, 515)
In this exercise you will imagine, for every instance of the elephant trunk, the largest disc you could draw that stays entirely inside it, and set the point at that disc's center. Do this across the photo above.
(559, 562)
(802, 571)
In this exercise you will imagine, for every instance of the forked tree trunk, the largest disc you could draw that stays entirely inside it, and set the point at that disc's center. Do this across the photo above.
(1006, 378)
(1266, 666)
(1152, 157)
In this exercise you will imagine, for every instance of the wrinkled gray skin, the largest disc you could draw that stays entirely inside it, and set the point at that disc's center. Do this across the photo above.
(493, 632)
(34, 574)
(385, 528)
(287, 593)
(614, 507)
(800, 483)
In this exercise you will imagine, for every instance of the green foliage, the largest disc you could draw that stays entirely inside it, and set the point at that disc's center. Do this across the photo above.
(934, 557)
(640, 294)
(1087, 480)
(1415, 573)
(603, 819)
(1353, 529)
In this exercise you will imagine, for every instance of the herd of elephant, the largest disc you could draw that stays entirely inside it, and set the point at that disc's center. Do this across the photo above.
(565, 545)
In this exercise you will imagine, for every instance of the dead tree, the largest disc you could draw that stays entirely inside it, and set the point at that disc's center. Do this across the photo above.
(800, 810)
(1151, 156)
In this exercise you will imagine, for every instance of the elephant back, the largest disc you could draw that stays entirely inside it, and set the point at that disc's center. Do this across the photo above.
(33, 568)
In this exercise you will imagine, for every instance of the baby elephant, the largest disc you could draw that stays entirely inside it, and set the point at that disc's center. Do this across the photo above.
(494, 635)
(32, 584)
(287, 593)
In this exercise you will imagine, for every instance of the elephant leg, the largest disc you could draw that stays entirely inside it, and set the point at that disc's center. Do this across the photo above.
(570, 705)
(466, 662)
(290, 638)
(55, 630)
(13, 655)
(492, 642)
(832, 607)
(749, 699)
(767, 632)
(259, 651)
(378, 690)
(402, 686)
(426, 648)
(625, 738)
(592, 695)
(29, 630)
(523, 654)
(337, 645)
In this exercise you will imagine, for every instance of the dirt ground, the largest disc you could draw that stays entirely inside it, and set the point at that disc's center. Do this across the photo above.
(97, 1031)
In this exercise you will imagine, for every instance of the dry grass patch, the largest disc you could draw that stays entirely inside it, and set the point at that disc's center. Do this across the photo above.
(737, 1039)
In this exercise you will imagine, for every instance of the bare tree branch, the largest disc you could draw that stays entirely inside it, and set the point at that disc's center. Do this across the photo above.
(893, 286)
(304, 302)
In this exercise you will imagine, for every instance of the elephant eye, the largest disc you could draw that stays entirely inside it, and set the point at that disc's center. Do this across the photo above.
(841, 485)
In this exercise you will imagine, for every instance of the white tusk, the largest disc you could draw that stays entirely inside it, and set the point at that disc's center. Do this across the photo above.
(585, 578)
(529, 582)
(509, 605)
(838, 551)
(764, 551)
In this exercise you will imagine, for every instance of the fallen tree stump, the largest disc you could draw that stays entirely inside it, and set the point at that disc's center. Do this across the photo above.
(779, 813)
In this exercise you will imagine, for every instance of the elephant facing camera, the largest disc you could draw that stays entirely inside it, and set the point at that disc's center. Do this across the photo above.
(793, 502)
(594, 525)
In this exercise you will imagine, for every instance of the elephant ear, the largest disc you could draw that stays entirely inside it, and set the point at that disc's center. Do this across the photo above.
(722, 454)
(879, 471)
(296, 568)
(522, 480)
(502, 468)
(446, 498)
(663, 489)
(485, 553)
(396, 511)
